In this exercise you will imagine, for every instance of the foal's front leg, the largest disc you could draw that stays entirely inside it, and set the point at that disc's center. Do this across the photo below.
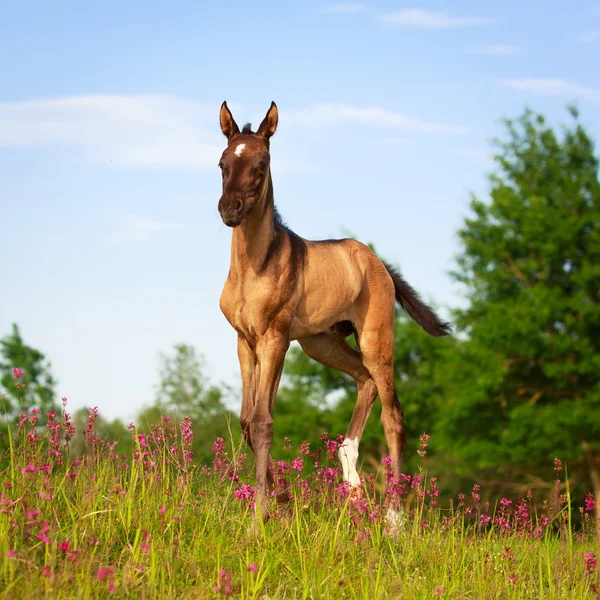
(270, 353)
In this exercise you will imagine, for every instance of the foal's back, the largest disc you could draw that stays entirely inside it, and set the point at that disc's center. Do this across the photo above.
(336, 274)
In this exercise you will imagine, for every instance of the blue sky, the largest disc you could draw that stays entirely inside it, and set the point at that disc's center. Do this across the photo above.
(109, 143)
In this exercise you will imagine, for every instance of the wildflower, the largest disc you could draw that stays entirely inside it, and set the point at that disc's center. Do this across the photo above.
(47, 572)
(438, 590)
(64, 546)
(589, 502)
(105, 573)
(424, 441)
(218, 446)
(246, 492)
(387, 461)
(17, 373)
(298, 464)
(590, 561)
(252, 567)
(162, 510)
(225, 585)
(42, 533)
(28, 469)
(558, 466)
(12, 553)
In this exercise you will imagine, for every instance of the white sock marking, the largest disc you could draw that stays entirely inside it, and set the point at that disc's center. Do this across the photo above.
(395, 520)
(240, 148)
(348, 454)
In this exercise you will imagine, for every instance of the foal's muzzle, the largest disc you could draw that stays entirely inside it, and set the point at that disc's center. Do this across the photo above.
(232, 213)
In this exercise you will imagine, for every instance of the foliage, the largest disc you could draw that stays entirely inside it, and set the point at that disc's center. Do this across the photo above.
(184, 390)
(34, 386)
(152, 525)
(525, 385)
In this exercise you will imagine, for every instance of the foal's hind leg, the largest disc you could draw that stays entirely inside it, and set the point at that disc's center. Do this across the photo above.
(375, 329)
(331, 350)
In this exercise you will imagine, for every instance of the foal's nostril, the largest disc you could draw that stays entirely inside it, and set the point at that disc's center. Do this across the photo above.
(238, 206)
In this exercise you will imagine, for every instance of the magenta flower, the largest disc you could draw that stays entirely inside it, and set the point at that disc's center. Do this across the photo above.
(225, 586)
(105, 573)
(28, 469)
(590, 561)
(42, 533)
(17, 373)
(64, 546)
(589, 502)
(252, 567)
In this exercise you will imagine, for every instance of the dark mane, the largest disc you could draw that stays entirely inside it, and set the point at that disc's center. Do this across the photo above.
(279, 220)
(247, 128)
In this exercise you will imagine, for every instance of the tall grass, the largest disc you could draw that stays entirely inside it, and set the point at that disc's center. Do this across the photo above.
(157, 525)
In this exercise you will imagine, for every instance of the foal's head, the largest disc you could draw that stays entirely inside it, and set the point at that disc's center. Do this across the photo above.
(244, 164)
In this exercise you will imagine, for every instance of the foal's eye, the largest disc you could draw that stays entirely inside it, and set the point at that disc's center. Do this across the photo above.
(221, 165)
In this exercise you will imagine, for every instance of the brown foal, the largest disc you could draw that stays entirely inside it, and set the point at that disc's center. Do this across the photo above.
(282, 287)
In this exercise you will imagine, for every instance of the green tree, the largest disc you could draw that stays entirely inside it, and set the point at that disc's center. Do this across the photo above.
(525, 385)
(36, 386)
(184, 390)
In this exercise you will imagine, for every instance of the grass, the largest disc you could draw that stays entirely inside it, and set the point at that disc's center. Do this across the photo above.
(157, 525)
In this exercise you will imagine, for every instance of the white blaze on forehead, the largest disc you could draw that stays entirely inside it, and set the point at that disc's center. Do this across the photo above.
(348, 454)
(240, 148)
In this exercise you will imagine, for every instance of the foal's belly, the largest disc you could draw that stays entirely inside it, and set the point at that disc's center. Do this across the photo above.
(303, 326)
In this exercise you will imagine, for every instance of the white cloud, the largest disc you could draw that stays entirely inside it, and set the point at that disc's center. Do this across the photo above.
(332, 114)
(554, 87)
(134, 228)
(345, 8)
(496, 50)
(420, 18)
(141, 131)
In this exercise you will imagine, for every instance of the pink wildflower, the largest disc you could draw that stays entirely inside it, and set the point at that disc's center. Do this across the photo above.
(28, 469)
(424, 441)
(589, 502)
(590, 562)
(64, 546)
(105, 573)
(47, 572)
(42, 533)
(252, 567)
(225, 586)
(17, 373)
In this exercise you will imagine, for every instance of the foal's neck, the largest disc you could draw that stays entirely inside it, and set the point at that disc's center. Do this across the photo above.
(250, 241)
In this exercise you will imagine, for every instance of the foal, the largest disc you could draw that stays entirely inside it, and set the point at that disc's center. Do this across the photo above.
(282, 287)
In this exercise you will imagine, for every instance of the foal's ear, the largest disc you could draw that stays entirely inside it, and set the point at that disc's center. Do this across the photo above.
(269, 125)
(228, 125)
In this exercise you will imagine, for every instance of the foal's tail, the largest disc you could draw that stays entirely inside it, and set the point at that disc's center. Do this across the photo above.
(416, 309)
